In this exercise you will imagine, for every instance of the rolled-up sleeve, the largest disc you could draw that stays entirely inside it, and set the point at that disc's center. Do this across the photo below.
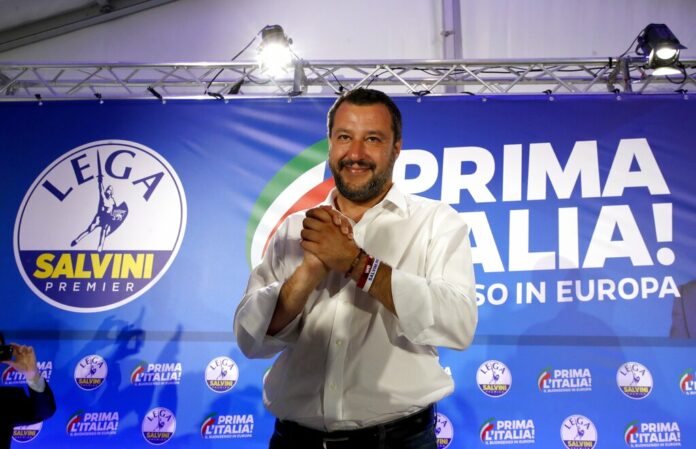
(439, 307)
(256, 308)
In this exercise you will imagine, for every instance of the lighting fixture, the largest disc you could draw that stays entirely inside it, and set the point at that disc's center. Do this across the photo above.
(275, 55)
(661, 47)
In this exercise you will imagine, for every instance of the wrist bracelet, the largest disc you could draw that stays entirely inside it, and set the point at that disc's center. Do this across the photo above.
(371, 276)
(365, 272)
(355, 261)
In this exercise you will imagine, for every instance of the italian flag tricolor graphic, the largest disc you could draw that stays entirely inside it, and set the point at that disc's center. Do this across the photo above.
(299, 185)
(138, 369)
(543, 377)
(74, 419)
(685, 377)
(630, 430)
(485, 428)
(207, 422)
(6, 373)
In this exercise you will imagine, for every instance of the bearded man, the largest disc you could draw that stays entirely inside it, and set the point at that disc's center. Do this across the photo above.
(356, 295)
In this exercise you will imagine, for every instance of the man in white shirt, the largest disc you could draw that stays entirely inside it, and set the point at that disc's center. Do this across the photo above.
(356, 294)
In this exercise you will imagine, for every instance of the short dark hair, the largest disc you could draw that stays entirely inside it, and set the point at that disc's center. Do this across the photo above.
(366, 97)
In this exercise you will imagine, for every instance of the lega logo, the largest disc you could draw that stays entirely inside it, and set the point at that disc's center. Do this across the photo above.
(578, 431)
(90, 372)
(634, 380)
(158, 426)
(444, 431)
(100, 226)
(494, 378)
(25, 434)
(221, 374)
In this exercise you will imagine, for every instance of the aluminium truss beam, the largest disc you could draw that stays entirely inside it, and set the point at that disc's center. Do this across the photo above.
(62, 81)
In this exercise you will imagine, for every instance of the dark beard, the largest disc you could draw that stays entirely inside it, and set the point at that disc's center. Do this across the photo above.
(371, 190)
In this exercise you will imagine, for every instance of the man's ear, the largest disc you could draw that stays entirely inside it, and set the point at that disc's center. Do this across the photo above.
(397, 149)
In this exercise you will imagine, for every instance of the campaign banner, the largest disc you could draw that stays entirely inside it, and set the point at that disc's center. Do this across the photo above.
(130, 228)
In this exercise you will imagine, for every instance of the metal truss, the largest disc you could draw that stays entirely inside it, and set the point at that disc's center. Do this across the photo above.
(225, 81)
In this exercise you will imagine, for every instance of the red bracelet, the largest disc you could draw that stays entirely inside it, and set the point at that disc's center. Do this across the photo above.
(366, 271)
(354, 263)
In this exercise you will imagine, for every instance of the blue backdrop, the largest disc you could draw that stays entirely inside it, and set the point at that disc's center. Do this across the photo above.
(582, 215)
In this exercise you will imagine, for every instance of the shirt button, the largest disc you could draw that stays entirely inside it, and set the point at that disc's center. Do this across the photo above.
(339, 342)
(332, 386)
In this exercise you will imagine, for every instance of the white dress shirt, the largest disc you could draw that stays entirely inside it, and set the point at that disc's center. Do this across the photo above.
(346, 361)
(37, 383)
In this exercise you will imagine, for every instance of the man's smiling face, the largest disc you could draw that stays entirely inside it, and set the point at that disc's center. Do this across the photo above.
(362, 151)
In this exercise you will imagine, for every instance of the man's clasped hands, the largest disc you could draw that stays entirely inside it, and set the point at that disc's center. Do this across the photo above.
(327, 238)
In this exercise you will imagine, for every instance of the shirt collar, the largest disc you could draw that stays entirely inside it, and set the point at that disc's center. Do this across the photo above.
(395, 200)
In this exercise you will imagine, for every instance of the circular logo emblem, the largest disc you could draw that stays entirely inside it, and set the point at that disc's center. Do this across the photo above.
(100, 226)
(221, 374)
(24, 434)
(578, 431)
(158, 426)
(634, 380)
(90, 372)
(494, 378)
(444, 431)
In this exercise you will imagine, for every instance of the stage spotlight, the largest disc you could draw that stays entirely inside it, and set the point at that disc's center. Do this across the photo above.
(274, 52)
(661, 46)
